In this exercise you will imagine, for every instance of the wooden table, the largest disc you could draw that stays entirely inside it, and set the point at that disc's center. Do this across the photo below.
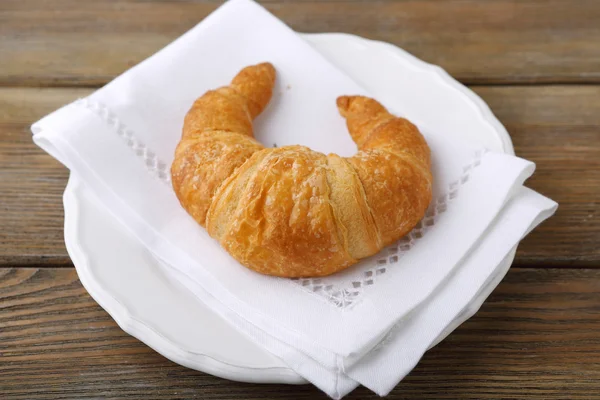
(537, 64)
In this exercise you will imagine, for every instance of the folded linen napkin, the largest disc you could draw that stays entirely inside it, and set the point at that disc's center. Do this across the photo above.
(120, 141)
(403, 346)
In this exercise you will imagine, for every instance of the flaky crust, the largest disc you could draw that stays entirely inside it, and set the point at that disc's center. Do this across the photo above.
(291, 211)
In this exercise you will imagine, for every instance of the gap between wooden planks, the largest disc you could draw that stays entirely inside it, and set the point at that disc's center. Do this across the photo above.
(535, 337)
(74, 43)
(554, 126)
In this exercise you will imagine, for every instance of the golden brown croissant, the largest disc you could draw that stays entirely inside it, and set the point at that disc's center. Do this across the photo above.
(291, 211)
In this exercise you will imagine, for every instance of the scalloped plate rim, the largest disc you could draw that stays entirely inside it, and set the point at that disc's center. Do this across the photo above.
(485, 111)
(163, 345)
(137, 328)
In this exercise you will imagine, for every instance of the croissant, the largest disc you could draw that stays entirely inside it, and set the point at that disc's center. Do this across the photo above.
(291, 211)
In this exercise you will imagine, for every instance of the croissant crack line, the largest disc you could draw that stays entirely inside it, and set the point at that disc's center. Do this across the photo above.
(342, 230)
(377, 128)
(235, 170)
(239, 93)
(407, 157)
(366, 201)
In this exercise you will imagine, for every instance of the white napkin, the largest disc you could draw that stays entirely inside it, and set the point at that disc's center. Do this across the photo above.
(403, 346)
(121, 139)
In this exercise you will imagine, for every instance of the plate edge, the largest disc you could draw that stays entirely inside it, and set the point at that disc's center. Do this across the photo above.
(132, 326)
(440, 72)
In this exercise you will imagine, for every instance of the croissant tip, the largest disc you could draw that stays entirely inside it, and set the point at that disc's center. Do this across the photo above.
(343, 103)
(261, 69)
(266, 65)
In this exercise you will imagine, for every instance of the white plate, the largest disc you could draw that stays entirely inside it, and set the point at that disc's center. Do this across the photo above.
(125, 279)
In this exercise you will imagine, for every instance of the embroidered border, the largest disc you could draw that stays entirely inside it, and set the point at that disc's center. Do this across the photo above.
(155, 166)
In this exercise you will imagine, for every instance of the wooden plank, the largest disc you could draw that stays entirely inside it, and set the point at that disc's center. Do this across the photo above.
(555, 126)
(31, 182)
(72, 42)
(535, 338)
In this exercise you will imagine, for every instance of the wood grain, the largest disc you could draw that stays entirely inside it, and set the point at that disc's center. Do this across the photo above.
(557, 128)
(31, 182)
(535, 337)
(554, 126)
(73, 43)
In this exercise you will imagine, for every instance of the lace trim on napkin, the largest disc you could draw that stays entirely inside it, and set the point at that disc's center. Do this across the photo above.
(344, 297)
(341, 297)
(155, 166)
